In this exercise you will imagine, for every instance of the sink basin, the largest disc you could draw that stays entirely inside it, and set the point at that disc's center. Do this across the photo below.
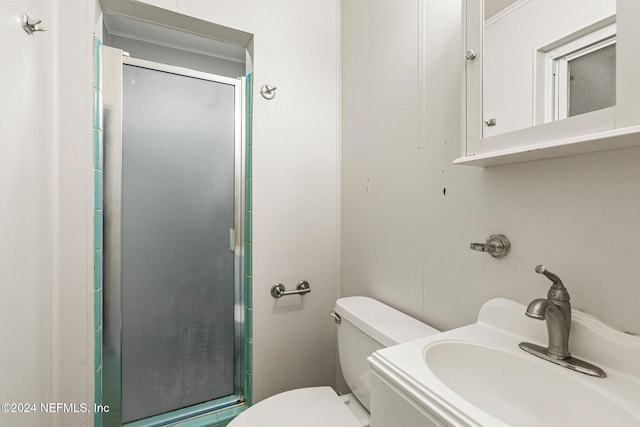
(477, 375)
(521, 390)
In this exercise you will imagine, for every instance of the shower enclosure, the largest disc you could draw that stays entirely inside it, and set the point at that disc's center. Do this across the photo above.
(173, 316)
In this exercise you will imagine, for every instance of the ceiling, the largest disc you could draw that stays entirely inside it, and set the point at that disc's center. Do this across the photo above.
(492, 7)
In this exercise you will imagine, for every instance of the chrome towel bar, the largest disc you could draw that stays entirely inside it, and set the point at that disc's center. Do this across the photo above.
(278, 290)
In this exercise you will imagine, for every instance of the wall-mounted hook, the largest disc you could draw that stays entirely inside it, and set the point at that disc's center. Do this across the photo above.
(268, 91)
(30, 25)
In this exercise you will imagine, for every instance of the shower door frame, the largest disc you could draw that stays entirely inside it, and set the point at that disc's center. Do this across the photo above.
(113, 63)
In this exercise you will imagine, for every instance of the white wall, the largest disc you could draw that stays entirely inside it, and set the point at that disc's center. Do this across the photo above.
(294, 182)
(73, 318)
(381, 176)
(577, 215)
(26, 237)
(45, 190)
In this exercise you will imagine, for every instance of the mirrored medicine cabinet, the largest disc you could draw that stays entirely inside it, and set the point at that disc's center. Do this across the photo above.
(549, 78)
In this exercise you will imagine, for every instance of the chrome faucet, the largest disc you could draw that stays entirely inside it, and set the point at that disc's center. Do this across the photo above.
(555, 309)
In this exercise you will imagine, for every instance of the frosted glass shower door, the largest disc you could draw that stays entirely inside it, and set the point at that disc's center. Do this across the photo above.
(177, 264)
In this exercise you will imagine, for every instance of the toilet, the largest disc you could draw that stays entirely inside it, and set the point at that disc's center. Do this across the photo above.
(364, 326)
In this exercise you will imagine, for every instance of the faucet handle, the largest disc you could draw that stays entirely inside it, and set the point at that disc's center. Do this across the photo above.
(557, 292)
(541, 269)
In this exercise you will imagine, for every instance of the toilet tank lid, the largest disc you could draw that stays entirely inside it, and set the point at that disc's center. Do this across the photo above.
(385, 324)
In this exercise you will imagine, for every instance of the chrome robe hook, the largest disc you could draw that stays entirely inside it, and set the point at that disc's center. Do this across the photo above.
(268, 91)
(30, 25)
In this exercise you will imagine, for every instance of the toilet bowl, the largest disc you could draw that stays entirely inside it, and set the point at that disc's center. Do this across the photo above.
(364, 326)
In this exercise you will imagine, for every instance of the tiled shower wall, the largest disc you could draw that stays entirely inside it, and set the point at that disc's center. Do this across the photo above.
(248, 235)
(98, 218)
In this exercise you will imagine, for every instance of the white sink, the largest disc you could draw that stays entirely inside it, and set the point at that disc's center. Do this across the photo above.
(478, 376)
(522, 390)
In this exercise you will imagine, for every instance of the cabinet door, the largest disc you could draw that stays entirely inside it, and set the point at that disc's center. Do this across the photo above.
(391, 408)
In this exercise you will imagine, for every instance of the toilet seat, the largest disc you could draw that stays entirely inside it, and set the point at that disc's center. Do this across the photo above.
(309, 407)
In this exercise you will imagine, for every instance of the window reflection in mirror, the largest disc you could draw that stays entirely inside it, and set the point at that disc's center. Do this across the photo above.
(546, 60)
(591, 81)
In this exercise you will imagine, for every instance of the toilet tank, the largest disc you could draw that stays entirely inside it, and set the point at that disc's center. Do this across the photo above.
(368, 325)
